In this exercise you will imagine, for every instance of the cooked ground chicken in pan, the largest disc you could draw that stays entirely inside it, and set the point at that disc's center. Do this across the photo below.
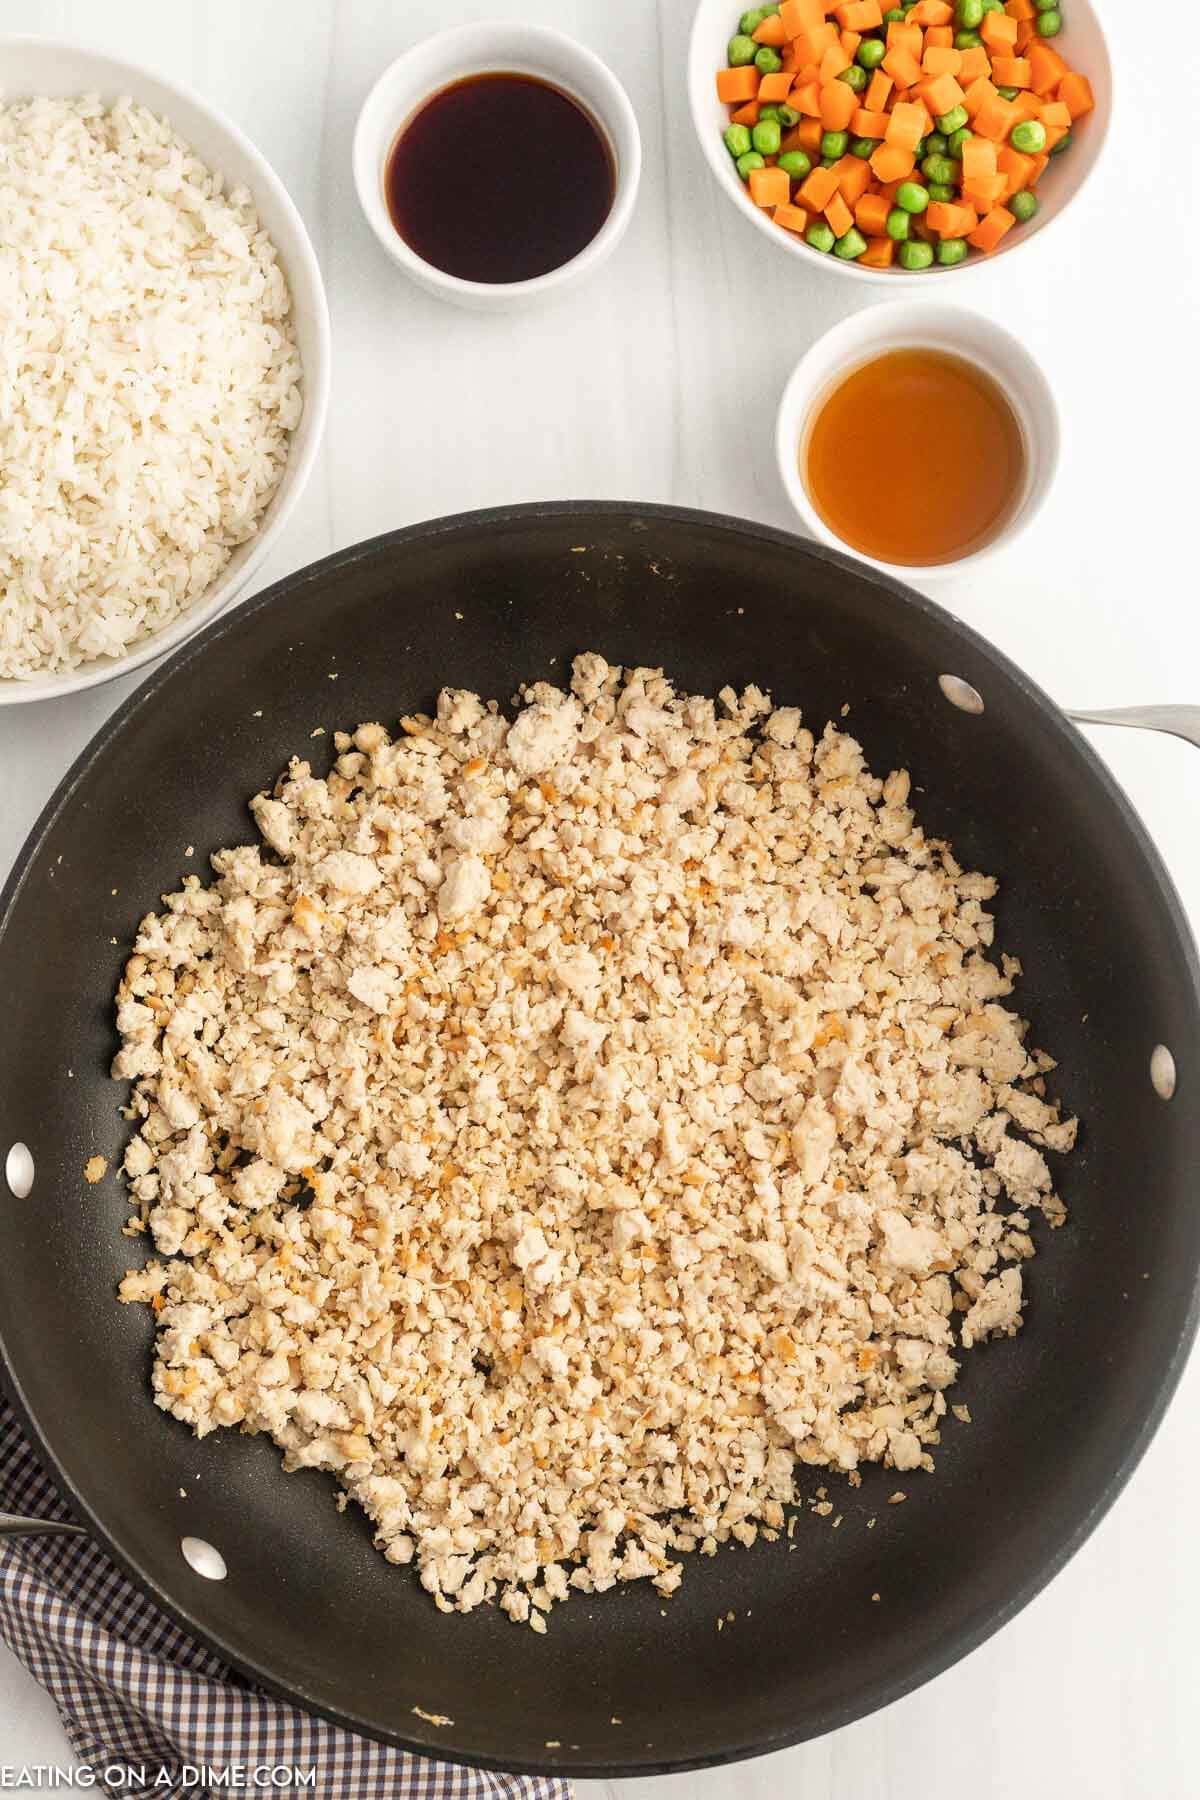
(562, 1129)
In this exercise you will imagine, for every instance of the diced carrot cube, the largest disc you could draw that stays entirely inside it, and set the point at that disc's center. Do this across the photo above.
(975, 63)
(818, 189)
(939, 37)
(879, 92)
(833, 63)
(1040, 164)
(998, 32)
(801, 15)
(812, 45)
(1026, 106)
(771, 32)
(792, 218)
(941, 62)
(775, 88)
(986, 189)
(891, 162)
(854, 177)
(1012, 71)
(839, 216)
(1017, 167)
(790, 60)
(906, 126)
(839, 103)
(1021, 9)
(878, 254)
(1047, 68)
(810, 132)
(978, 94)
(769, 187)
(807, 100)
(869, 124)
(859, 15)
(1056, 116)
(746, 115)
(995, 118)
(736, 85)
(903, 36)
(931, 12)
(999, 222)
(943, 93)
(902, 66)
(944, 217)
(1026, 35)
(850, 40)
(871, 215)
(978, 158)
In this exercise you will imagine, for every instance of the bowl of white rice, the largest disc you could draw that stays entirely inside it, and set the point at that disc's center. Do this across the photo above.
(164, 365)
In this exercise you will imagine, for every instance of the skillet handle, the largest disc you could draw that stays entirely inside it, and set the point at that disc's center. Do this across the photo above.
(1176, 721)
(11, 1525)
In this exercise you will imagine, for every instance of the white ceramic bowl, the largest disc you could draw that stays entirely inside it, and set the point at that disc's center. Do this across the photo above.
(56, 69)
(497, 45)
(935, 325)
(1082, 43)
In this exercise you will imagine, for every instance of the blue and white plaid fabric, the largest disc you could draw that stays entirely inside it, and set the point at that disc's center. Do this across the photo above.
(134, 1692)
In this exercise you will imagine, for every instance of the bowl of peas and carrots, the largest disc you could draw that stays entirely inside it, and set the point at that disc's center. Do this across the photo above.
(894, 142)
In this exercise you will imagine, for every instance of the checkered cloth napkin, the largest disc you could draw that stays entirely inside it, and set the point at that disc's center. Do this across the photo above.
(133, 1690)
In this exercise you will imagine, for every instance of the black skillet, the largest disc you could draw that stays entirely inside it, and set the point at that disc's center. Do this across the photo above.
(1061, 1414)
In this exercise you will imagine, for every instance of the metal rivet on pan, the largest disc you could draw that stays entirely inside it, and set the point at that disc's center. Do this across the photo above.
(960, 693)
(1162, 1072)
(204, 1558)
(18, 1171)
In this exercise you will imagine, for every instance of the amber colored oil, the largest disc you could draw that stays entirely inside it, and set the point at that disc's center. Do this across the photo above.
(916, 457)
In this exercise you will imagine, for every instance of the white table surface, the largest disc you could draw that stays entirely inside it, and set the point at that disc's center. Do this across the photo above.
(658, 381)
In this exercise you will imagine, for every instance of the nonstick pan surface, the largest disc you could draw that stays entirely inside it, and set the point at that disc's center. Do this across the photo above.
(1061, 1414)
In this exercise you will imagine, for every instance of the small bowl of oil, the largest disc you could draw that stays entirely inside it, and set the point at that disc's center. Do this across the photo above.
(920, 436)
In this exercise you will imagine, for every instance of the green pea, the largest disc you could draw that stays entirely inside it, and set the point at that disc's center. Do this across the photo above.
(898, 224)
(737, 140)
(750, 21)
(935, 144)
(768, 112)
(1029, 137)
(939, 168)
(1045, 5)
(1050, 23)
(870, 53)
(956, 142)
(742, 50)
(835, 143)
(787, 116)
(916, 255)
(829, 162)
(751, 160)
(768, 12)
(766, 136)
(919, 149)
(795, 165)
(854, 78)
(953, 121)
(969, 14)
(967, 40)
(993, 6)
(850, 246)
(863, 148)
(1008, 93)
(820, 236)
(912, 196)
(952, 250)
(940, 190)
(768, 61)
(1023, 206)
(894, 15)
(1064, 143)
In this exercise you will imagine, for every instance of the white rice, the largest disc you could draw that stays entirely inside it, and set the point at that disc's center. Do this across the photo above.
(149, 379)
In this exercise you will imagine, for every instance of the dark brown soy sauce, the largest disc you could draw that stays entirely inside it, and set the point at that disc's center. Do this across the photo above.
(499, 178)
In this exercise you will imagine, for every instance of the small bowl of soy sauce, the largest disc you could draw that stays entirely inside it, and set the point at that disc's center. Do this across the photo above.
(497, 163)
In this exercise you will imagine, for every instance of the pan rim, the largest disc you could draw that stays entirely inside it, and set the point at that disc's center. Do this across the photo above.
(989, 1619)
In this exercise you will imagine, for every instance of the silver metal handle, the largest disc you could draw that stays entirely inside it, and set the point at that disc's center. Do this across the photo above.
(13, 1526)
(1176, 721)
